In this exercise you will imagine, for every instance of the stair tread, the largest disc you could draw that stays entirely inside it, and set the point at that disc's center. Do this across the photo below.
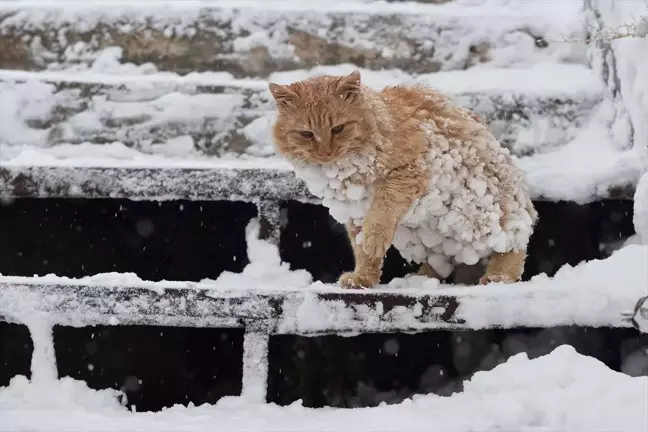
(543, 79)
(537, 9)
(218, 115)
(256, 39)
(588, 296)
(42, 175)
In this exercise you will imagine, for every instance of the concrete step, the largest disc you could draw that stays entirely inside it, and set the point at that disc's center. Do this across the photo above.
(225, 180)
(216, 115)
(258, 38)
(111, 299)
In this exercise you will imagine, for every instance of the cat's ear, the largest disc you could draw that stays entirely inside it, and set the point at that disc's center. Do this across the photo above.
(349, 87)
(282, 95)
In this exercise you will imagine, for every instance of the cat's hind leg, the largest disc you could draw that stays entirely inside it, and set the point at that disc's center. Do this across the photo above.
(367, 270)
(504, 267)
(427, 271)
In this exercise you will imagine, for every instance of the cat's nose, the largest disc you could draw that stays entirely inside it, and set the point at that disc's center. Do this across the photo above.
(323, 152)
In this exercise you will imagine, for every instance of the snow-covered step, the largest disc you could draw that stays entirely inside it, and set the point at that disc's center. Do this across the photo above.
(231, 180)
(257, 38)
(265, 180)
(597, 293)
(529, 110)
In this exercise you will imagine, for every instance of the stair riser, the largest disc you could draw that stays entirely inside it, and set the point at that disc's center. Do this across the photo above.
(223, 119)
(202, 365)
(253, 42)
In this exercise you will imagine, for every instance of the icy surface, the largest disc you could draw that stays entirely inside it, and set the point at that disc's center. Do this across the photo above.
(559, 391)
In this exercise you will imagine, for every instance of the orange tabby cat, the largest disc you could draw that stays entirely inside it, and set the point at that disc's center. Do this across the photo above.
(407, 167)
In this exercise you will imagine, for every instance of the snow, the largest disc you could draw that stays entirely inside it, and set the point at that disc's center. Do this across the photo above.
(446, 31)
(631, 63)
(559, 391)
(255, 366)
(552, 146)
(543, 79)
(168, 9)
(118, 155)
(631, 66)
(43, 364)
(470, 7)
(265, 269)
(165, 115)
(122, 74)
(552, 169)
(589, 166)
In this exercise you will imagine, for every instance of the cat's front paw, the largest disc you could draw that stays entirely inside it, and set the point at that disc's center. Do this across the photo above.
(353, 280)
(376, 241)
(496, 278)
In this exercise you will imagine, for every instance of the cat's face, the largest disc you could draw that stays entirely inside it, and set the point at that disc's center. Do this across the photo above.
(320, 120)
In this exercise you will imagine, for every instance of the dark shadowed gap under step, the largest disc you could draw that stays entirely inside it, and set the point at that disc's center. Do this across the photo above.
(172, 240)
(567, 233)
(156, 367)
(190, 240)
(15, 351)
(373, 368)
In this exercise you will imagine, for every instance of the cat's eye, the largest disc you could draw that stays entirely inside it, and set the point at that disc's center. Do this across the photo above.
(337, 129)
(306, 134)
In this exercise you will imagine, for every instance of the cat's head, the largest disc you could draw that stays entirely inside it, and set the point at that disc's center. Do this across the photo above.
(321, 119)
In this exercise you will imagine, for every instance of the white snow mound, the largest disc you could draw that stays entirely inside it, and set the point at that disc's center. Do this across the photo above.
(559, 391)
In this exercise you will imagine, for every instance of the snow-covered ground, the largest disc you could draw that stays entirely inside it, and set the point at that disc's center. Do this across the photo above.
(562, 391)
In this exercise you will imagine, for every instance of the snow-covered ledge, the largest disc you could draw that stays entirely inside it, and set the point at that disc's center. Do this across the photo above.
(269, 297)
(618, 52)
(618, 31)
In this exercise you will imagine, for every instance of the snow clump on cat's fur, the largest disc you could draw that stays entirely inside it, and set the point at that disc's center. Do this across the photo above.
(456, 221)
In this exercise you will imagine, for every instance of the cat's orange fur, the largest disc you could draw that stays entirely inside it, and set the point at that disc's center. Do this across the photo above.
(388, 124)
